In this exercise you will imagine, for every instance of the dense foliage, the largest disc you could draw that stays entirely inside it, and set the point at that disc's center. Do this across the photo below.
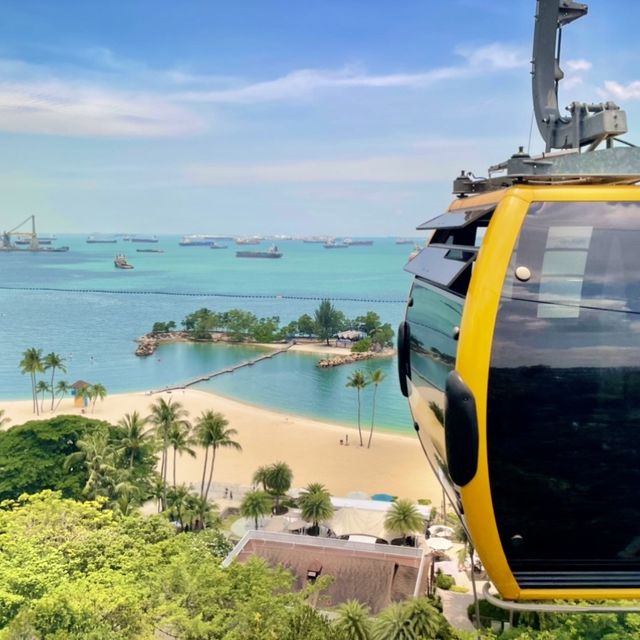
(239, 325)
(32, 456)
(76, 571)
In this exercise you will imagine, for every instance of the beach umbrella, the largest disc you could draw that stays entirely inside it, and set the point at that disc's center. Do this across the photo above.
(383, 497)
(439, 544)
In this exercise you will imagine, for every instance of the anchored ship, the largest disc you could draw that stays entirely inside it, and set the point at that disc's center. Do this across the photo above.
(272, 252)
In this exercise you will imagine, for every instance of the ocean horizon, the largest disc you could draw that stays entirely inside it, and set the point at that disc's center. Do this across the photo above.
(78, 305)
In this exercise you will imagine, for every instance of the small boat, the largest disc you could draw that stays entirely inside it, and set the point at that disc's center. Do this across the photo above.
(150, 250)
(404, 241)
(120, 262)
(217, 245)
(272, 252)
(332, 244)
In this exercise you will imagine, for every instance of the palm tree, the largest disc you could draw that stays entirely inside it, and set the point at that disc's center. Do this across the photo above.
(164, 415)
(177, 503)
(42, 387)
(279, 476)
(358, 381)
(395, 623)
(53, 361)
(315, 505)
(62, 388)
(260, 477)
(375, 379)
(353, 621)
(199, 513)
(3, 420)
(427, 621)
(211, 432)
(255, 504)
(180, 439)
(96, 391)
(97, 455)
(31, 363)
(132, 437)
(403, 518)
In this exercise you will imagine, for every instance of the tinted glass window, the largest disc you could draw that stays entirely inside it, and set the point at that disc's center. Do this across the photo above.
(564, 398)
(432, 318)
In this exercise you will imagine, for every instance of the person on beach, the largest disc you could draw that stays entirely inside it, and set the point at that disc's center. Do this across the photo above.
(346, 439)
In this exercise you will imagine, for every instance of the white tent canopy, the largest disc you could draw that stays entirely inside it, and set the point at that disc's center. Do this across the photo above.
(351, 521)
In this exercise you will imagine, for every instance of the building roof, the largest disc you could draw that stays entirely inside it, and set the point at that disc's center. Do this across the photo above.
(80, 384)
(374, 574)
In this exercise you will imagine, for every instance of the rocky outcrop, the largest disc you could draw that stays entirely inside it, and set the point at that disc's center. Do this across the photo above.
(347, 358)
(148, 343)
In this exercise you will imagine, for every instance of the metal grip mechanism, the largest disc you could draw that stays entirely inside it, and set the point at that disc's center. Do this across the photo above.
(588, 124)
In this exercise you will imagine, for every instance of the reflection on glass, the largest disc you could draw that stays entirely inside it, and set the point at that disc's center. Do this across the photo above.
(564, 401)
(432, 319)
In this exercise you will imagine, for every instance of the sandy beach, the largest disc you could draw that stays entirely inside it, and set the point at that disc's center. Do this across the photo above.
(394, 464)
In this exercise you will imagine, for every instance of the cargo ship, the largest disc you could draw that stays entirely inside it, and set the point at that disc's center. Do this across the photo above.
(153, 239)
(101, 240)
(272, 252)
(358, 243)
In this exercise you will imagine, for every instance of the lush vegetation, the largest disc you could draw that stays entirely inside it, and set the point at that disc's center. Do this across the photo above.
(77, 571)
(32, 456)
(239, 326)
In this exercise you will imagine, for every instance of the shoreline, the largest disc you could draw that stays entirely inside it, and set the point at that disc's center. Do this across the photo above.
(394, 464)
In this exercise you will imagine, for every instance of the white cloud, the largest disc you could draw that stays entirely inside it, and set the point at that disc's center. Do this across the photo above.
(71, 109)
(578, 65)
(630, 91)
(303, 83)
(495, 57)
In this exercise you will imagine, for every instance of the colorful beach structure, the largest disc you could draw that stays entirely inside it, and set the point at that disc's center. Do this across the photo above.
(80, 400)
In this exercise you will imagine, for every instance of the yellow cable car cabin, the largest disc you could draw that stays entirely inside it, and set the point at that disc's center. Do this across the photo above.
(520, 358)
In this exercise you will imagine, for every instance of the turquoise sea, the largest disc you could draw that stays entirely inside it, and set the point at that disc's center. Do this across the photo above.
(77, 304)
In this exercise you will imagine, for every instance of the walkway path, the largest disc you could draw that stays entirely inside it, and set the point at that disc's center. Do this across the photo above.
(219, 372)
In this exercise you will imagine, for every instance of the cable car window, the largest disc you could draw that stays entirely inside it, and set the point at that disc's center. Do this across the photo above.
(563, 409)
(433, 318)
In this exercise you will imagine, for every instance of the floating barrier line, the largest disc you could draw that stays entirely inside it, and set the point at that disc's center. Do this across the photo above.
(199, 294)
(219, 372)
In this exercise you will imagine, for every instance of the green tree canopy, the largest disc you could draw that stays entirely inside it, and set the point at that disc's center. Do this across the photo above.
(328, 320)
(255, 504)
(32, 456)
(404, 518)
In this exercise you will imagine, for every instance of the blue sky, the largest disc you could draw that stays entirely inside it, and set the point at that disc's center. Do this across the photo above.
(341, 117)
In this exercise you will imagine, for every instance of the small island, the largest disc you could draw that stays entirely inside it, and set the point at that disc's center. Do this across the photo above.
(364, 336)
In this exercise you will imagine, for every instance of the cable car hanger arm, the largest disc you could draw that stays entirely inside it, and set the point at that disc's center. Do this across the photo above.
(588, 124)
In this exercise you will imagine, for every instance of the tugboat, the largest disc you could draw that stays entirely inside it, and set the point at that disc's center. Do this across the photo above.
(272, 252)
(120, 262)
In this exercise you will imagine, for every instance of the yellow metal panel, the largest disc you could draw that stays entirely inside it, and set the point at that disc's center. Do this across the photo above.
(473, 359)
